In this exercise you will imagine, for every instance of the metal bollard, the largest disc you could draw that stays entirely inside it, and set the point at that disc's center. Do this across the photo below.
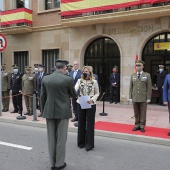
(34, 108)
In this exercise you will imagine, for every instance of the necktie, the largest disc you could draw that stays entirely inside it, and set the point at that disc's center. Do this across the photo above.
(40, 76)
(138, 75)
(75, 73)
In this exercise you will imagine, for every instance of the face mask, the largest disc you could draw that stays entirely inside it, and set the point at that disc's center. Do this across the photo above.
(85, 75)
(15, 71)
(36, 69)
(138, 68)
(40, 69)
(160, 69)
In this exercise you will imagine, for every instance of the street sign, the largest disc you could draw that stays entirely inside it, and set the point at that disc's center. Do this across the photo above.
(3, 42)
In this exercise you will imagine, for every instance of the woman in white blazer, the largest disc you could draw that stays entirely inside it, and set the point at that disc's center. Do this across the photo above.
(87, 86)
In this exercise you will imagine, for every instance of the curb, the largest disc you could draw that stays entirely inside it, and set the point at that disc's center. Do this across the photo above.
(130, 137)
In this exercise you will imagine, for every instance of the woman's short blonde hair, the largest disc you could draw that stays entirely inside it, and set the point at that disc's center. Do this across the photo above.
(90, 70)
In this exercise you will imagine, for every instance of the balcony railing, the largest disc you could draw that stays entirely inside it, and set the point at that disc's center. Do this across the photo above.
(117, 10)
(16, 21)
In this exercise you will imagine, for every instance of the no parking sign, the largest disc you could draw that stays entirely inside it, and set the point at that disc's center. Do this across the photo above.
(3, 42)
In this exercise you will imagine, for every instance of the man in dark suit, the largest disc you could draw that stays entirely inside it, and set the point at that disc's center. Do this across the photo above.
(55, 105)
(75, 74)
(114, 85)
(160, 81)
(39, 78)
(16, 87)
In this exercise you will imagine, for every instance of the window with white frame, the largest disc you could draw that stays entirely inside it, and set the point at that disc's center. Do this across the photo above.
(23, 4)
(49, 57)
(51, 4)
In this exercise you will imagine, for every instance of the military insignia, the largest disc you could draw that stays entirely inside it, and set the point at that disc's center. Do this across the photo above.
(30, 78)
(144, 78)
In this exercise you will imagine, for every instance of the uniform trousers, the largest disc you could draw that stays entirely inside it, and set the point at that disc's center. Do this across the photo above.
(29, 102)
(57, 137)
(86, 123)
(5, 100)
(140, 113)
(17, 101)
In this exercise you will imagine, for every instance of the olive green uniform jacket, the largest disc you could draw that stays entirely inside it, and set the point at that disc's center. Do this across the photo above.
(6, 80)
(28, 83)
(55, 91)
(140, 88)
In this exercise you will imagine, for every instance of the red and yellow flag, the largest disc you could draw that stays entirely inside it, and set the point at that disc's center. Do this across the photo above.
(75, 7)
(16, 16)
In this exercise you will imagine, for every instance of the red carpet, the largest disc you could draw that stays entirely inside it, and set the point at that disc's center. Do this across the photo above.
(126, 128)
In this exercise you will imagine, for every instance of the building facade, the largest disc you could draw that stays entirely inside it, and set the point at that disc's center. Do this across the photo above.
(101, 39)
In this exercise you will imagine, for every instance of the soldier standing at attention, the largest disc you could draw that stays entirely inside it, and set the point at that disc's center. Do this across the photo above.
(140, 94)
(16, 86)
(28, 88)
(6, 86)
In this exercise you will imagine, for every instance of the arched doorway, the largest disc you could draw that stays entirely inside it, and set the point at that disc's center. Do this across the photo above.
(153, 57)
(156, 52)
(102, 54)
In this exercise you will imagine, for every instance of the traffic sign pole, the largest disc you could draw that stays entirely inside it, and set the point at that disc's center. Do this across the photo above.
(3, 44)
(0, 85)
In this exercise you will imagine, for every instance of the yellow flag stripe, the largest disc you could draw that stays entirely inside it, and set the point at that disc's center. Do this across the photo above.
(16, 16)
(92, 4)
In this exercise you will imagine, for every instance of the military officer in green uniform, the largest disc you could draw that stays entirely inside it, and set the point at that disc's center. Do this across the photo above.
(56, 89)
(6, 86)
(28, 88)
(140, 94)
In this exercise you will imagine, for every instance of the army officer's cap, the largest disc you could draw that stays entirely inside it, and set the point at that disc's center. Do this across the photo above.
(36, 65)
(139, 62)
(65, 62)
(27, 68)
(69, 66)
(3, 65)
(15, 66)
(41, 65)
(161, 66)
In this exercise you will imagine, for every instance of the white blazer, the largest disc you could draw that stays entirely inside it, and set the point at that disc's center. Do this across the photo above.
(88, 88)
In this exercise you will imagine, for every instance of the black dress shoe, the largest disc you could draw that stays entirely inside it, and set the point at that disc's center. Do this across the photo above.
(74, 120)
(81, 146)
(111, 102)
(3, 110)
(40, 115)
(142, 130)
(26, 113)
(76, 124)
(168, 133)
(61, 167)
(115, 102)
(14, 111)
(136, 128)
(30, 114)
(6, 110)
(89, 149)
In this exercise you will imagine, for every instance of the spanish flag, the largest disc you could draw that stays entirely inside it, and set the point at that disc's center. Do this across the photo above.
(16, 16)
(75, 7)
